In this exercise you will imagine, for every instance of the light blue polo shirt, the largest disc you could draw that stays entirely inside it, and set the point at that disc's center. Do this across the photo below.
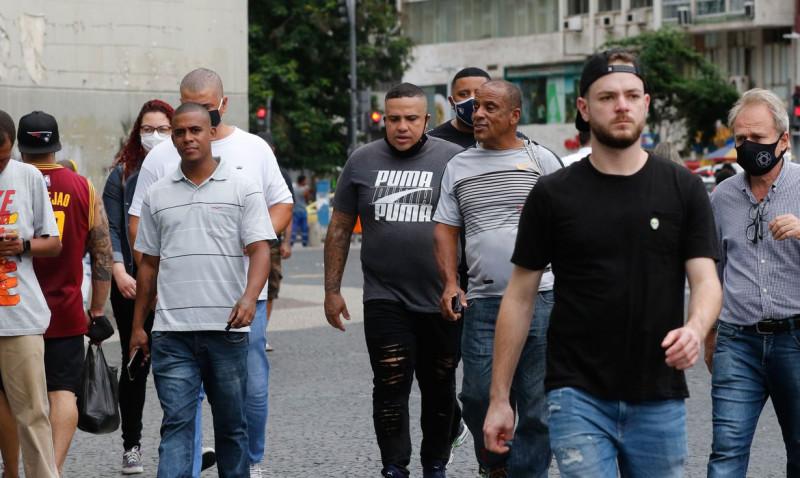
(199, 232)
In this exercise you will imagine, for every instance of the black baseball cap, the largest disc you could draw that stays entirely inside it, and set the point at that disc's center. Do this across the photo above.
(596, 67)
(38, 134)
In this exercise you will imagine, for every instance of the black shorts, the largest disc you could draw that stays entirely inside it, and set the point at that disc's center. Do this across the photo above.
(63, 363)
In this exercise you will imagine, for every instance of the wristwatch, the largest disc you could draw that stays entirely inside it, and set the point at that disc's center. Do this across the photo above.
(26, 245)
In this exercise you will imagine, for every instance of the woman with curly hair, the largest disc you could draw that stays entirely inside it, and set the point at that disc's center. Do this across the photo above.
(152, 126)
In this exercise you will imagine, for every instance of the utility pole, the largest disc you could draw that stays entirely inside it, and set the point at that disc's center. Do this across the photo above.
(353, 129)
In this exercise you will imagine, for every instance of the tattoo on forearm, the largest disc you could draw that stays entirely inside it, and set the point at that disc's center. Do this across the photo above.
(337, 245)
(100, 245)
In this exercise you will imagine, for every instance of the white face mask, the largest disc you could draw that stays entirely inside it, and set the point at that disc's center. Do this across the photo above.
(149, 141)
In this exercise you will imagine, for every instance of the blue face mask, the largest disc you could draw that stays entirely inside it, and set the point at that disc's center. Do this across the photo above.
(464, 110)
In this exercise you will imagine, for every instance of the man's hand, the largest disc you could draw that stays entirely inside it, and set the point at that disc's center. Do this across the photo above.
(139, 341)
(242, 313)
(446, 302)
(785, 226)
(682, 347)
(286, 249)
(11, 245)
(708, 352)
(334, 307)
(498, 428)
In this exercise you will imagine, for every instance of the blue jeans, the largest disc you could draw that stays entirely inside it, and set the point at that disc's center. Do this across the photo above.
(257, 393)
(748, 368)
(530, 451)
(299, 226)
(181, 362)
(598, 438)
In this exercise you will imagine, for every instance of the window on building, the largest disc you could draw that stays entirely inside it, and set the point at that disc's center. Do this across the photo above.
(608, 5)
(670, 8)
(710, 7)
(440, 21)
(577, 7)
(548, 93)
(641, 3)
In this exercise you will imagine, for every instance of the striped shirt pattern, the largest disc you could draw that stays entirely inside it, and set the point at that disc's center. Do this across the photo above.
(759, 279)
(483, 191)
(198, 232)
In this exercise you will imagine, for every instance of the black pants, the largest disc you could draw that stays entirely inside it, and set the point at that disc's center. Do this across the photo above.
(402, 344)
(131, 393)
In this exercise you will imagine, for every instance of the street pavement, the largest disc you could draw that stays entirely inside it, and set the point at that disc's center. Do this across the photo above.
(320, 421)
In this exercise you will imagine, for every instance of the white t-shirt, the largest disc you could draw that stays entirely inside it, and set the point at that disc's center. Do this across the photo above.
(577, 156)
(25, 210)
(241, 150)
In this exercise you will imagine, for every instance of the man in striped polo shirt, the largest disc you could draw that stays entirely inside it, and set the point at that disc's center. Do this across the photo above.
(483, 190)
(194, 224)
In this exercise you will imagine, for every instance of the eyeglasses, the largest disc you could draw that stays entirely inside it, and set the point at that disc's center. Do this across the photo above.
(758, 215)
(147, 129)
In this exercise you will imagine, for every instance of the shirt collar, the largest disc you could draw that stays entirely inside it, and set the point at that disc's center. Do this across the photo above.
(745, 186)
(221, 173)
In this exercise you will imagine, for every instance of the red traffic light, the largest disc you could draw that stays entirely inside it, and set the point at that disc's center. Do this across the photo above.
(261, 113)
(376, 116)
(797, 111)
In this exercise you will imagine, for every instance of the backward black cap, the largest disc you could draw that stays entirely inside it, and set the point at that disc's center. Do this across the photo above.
(597, 66)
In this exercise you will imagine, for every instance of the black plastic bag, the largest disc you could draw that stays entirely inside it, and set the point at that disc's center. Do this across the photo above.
(98, 402)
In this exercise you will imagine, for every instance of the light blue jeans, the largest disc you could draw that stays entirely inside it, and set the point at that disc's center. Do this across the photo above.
(530, 450)
(599, 438)
(748, 368)
(257, 400)
(181, 362)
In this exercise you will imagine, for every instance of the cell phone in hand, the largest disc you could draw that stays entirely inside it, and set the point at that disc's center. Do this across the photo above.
(135, 363)
(455, 304)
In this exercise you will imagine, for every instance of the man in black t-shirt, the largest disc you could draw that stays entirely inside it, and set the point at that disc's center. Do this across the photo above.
(622, 230)
(462, 99)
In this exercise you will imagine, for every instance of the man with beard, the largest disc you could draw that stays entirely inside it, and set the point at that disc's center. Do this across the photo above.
(393, 185)
(758, 334)
(622, 230)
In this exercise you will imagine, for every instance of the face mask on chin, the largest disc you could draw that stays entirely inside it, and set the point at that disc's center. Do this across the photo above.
(758, 159)
(464, 110)
(150, 141)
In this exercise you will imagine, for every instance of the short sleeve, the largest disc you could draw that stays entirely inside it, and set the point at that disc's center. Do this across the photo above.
(148, 238)
(256, 224)
(44, 221)
(550, 162)
(275, 190)
(447, 210)
(147, 177)
(700, 236)
(534, 246)
(346, 198)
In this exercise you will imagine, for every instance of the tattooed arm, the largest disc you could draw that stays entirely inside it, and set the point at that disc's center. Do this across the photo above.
(337, 245)
(99, 247)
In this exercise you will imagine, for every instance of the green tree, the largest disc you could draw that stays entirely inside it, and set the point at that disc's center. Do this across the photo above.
(685, 88)
(299, 56)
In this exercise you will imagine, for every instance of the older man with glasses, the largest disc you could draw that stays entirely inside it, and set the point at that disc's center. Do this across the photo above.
(755, 353)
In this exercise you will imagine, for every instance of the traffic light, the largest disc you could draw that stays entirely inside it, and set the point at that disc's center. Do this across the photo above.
(261, 118)
(375, 118)
(796, 108)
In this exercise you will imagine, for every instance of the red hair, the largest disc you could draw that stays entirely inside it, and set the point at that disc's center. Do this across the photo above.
(132, 154)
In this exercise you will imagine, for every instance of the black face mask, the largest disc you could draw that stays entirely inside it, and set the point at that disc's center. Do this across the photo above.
(410, 151)
(757, 159)
(216, 118)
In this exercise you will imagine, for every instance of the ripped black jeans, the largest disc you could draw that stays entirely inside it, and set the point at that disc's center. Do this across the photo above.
(401, 344)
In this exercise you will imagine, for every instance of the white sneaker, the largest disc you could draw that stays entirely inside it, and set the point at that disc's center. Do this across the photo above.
(132, 461)
(256, 471)
(463, 433)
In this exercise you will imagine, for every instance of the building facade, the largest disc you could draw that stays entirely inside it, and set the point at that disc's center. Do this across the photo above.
(93, 64)
(541, 44)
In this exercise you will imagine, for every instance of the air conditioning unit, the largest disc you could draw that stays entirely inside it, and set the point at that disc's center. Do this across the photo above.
(684, 16)
(749, 9)
(638, 17)
(573, 24)
(740, 82)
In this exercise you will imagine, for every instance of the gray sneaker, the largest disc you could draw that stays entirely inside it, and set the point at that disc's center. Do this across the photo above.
(132, 461)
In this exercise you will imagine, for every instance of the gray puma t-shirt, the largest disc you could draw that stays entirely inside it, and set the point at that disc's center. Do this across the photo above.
(395, 198)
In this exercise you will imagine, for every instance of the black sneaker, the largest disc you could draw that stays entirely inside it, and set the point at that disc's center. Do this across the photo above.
(434, 470)
(209, 458)
(393, 471)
